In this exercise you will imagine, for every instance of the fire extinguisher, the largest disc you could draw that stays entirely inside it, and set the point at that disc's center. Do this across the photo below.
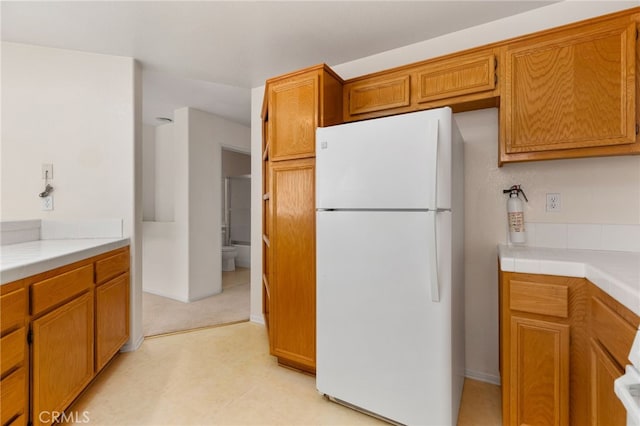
(515, 213)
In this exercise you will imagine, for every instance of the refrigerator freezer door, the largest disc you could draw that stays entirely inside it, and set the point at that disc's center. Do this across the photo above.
(399, 162)
(382, 344)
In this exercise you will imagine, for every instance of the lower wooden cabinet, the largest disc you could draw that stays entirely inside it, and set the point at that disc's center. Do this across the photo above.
(539, 393)
(58, 329)
(62, 356)
(112, 318)
(563, 342)
(606, 408)
(14, 359)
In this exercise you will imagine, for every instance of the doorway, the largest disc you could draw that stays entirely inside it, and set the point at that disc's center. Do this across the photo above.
(162, 314)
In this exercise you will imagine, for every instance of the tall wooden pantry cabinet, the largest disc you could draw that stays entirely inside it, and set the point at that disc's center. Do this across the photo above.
(295, 105)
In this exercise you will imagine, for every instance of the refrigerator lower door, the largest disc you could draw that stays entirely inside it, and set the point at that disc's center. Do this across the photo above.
(382, 344)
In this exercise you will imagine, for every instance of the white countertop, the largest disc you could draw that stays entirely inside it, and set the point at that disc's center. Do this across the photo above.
(22, 260)
(615, 272)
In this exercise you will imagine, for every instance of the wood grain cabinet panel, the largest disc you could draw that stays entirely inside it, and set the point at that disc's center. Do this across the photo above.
(571, 93)
(62, 355)
(293, 108)
(615, 333)
(378, 94)
(539, 372)
(539, 298)
(12, 350)
(53, 291)
(458, 76)
(112, 318)
(13, 353)
(606, 408)
(13, 309)
(292, 319)
(13, 396)
(112, 266)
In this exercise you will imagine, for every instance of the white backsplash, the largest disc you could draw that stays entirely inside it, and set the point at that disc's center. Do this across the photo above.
(583, 236)
(22, 231)
(19, 231)
(72, 229)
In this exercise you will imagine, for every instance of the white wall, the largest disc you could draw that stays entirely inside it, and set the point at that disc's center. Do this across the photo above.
(598, 190)
(257, 95)
(148, 172)
(182, 253)
(163, 188)
(78, 111)
(208, 133)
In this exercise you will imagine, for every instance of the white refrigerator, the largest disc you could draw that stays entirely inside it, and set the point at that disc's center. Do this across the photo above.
(390, 272)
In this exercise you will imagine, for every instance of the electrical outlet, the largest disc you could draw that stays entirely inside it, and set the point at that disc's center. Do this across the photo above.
(46, 203)
(553, 202)
(47, 171)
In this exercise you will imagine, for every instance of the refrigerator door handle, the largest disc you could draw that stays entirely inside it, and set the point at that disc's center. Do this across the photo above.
(432, 131)
(433, 254)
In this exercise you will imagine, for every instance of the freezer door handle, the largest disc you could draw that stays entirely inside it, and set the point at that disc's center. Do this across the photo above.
(433, 254)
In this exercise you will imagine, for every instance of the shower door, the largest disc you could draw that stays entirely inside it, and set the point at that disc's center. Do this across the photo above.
(238, 209)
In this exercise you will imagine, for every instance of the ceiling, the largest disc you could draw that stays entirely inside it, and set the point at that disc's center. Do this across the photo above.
(209, 54)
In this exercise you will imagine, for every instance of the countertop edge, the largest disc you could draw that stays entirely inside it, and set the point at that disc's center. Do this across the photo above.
(522, 260)
(11, 274)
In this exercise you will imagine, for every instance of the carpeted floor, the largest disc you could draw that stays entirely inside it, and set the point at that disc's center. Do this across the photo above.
(161, 315)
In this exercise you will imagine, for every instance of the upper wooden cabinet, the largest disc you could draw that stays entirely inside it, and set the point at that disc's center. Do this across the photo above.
(458, 76)
(463, 81)
(298, 103)
(570, 93)
(378, 94)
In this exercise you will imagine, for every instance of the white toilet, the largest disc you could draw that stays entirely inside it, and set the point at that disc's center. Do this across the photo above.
(229, 254)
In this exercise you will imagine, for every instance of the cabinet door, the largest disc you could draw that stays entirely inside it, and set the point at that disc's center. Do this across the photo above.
(13, 393)
(112, 318)
(570, 94)
(292, 313)
(293, 117)
(62, 355)
(378, 94)
(606, 408)
(539, 372)
(462, 75)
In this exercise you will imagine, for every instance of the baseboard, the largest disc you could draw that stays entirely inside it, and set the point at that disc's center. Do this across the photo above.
(132, 346)
(258, 319)
(482, 377)
(168, 296)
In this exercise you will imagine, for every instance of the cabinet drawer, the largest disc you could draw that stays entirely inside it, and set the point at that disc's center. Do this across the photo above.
(539, 298)
(12, 402)
(391, 92)
(12, 350)
(14, 309)
(112, 266)
(613, 331)
(48, 293)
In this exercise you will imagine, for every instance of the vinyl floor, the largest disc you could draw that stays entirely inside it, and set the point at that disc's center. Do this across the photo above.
(225, 376)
